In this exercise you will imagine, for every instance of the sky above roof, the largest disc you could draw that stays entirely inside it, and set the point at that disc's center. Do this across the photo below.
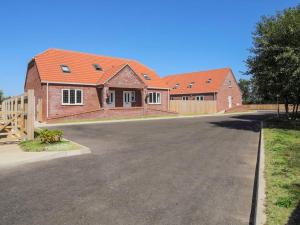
(168, 36)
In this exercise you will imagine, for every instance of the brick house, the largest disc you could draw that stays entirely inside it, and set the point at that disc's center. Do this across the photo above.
(219, 85)
(74, 85)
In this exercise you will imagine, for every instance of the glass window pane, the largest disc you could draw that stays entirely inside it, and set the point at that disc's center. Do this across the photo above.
(72, 96)
(154, 97)
(78, 96)
(158, 97)
(150, 97)
(65, 96)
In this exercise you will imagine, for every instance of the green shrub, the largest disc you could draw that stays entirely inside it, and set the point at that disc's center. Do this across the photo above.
(50, 136)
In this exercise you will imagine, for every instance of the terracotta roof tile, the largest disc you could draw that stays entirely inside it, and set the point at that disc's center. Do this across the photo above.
(82, 69)
(201, 83)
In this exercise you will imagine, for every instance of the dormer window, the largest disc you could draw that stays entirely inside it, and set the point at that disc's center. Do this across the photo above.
(65, 68)
(176, 86)
(146, 76)
(209, 80)
(97, 67)
(191, 85)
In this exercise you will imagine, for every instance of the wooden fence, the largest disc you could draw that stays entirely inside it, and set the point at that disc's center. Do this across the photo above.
(267, 107)
(193, 107)
(18, 116)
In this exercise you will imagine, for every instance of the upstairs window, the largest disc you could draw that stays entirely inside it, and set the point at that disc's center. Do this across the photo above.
(97, 67)
(191, 85)
(229, 83)
(209, 80)
(185, 98)
(71, 97)
(65, 69)
(146, 76)
(176, 86)
(154, 98)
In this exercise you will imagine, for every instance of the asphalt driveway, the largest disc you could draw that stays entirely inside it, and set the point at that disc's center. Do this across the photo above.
(170, 172)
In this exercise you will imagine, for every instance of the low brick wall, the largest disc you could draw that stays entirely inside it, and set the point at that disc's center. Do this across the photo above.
(110, 113)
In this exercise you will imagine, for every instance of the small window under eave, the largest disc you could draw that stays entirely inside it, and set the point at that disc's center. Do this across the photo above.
(97, 67)
(65, 69)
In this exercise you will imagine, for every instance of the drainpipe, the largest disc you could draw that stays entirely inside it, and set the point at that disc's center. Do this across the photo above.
(47, 110)
(168, 99)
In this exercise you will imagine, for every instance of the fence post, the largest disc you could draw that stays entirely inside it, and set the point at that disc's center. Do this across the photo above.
(30, 115)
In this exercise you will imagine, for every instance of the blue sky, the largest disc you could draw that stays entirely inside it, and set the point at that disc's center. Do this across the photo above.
(166, 35)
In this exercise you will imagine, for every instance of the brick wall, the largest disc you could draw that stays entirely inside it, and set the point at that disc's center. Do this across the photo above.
(91, 100)
(164, 100)
(33, 81)
(225, 91)
(126, 78)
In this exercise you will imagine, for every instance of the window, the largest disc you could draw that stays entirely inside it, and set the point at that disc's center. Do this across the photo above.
(133, 98)
(65, 69)
(72, 97)
(229, 83)
(146, 76)
(209, 80)
(172, 98)
(200, 98)
(176, 86)
(185, 98)
(191, 85)
(97, 67)
(154, 98)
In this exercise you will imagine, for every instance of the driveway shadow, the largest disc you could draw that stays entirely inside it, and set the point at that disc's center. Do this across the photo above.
(238, 125)
(250, 122)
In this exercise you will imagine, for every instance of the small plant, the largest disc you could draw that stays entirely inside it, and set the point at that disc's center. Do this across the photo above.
(284, 202)
(50, 136)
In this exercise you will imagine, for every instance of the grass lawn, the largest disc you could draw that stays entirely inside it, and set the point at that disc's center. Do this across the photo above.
(282, 172)
(38, 146)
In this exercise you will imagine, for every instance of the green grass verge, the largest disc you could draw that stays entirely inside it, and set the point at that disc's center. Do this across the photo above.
(38, 146)
(282, 172)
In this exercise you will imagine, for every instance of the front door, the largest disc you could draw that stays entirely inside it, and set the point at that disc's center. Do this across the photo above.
(229, 101)
(112, 99)
(126, 98)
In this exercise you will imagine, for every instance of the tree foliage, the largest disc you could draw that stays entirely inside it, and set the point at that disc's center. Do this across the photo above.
(1, 96)
(274, 62)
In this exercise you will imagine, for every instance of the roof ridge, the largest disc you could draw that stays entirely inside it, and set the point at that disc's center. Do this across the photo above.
(84, 53)
(194, 72)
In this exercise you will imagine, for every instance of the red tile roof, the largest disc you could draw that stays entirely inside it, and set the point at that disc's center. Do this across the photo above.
(200, 81)
(83, 71)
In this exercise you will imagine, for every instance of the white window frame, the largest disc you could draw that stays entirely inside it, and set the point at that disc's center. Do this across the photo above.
(157, 102)
(184, 98)
(133, 96)
(201, 98)
(69, 89)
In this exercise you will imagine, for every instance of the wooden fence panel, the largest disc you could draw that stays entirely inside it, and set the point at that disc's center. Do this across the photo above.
(267, 107)
(193, 107)
(18, 113)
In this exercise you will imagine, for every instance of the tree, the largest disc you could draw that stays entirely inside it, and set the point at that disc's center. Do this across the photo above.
(1, 96)
(245, 86)
(274, 62)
